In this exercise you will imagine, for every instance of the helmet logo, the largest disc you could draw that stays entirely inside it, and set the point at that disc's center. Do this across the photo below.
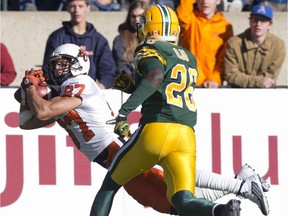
(174, 32)
(155, 32)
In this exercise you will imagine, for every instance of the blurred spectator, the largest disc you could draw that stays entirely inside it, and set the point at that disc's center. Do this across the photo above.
(277, 5)
(8, 72)
(17, 5)
(105, 5)
(48, 5)
(35, 5)
(254, 58)
(239, 5)
(125, 42)
(205, 32)
(54, 5)
(170, 3)
(27, 5)
(235, 6)
(248, 4)
(84, 34)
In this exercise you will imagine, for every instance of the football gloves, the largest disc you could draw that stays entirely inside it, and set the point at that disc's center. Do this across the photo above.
(32, 77)
(124, 82)
(122, 128)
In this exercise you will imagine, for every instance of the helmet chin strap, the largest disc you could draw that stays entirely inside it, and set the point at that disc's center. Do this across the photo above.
(138, 27)
(177, 40)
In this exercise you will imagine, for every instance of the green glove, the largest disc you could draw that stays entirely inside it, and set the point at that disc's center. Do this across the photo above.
(122, 128)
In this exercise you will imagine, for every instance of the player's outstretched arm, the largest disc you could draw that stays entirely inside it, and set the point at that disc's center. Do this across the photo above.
(27, 120)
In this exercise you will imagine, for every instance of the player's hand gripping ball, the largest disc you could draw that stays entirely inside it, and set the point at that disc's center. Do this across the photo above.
(36, 78)
(32, 77)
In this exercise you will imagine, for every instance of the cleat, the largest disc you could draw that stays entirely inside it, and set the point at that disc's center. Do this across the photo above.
(231, 208)
(251, 189)
(246, 171)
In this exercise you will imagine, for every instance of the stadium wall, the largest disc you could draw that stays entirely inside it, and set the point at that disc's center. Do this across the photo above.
(25, 34)
(41, 173)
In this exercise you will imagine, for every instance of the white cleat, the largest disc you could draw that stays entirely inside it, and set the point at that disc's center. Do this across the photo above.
(246, 171)
(252, 190)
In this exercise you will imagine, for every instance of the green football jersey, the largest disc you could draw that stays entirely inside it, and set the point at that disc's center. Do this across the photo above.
(173, 100)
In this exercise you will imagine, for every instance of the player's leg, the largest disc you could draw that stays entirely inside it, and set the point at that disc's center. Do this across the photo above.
(180, 189)
(148, 188)
(179, 165)
(178, 160)
(109, 188)
(122, 170)
(104, 198)
(247, 184)
(214, 181)
(222, 185)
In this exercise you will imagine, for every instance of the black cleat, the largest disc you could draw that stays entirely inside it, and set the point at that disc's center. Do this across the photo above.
(232, 208)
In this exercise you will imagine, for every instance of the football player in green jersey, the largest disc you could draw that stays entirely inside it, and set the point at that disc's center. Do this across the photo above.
(165, 82)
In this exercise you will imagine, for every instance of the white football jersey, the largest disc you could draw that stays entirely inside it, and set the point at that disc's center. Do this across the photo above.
(86, 124)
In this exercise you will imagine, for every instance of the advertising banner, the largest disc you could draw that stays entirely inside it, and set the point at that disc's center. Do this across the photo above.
(42, 173)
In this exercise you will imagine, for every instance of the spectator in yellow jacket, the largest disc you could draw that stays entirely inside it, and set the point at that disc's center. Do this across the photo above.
(204, 32)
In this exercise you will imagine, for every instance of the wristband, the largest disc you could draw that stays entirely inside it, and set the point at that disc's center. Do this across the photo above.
(25, 86)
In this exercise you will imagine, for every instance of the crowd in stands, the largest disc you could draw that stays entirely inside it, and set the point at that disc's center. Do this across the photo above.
(60, 5)
(119, 5)
(252, 59)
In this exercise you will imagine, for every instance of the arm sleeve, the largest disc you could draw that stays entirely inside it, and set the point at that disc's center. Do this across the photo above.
(277, 60)
(144, 90)
(149, 63)
(185, 12)
(187, 22)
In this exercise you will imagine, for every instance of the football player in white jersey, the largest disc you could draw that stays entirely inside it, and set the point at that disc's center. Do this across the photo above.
(82, 110)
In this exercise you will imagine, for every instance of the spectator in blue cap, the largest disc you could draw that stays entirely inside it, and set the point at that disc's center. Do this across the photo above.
(254, 58)
(277, 5)
(263, 11)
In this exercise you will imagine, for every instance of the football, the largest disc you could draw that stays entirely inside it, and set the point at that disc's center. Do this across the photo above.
(43, 91)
